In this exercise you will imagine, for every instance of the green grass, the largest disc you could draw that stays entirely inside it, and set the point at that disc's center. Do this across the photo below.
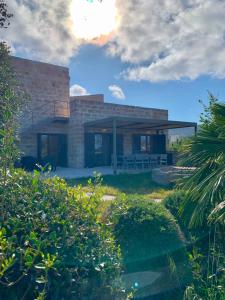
(141, 184)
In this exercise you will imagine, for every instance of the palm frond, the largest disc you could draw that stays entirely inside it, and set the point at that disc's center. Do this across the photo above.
(206, 151)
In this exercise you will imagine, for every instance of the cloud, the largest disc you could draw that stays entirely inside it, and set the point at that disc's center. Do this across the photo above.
(117, 92)
(170, 40)
(160, 40)
(77, 90)
(41, 30)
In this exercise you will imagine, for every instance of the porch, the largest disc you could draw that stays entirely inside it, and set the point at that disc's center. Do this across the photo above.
(104, 142)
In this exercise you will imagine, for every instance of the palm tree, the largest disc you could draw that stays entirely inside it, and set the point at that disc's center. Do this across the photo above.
(206, 151)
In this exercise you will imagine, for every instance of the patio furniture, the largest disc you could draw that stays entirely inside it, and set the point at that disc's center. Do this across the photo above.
(163, 159)
(154, 160)
(138, 161)
(119, 161)
(129, 161)
(142, 161)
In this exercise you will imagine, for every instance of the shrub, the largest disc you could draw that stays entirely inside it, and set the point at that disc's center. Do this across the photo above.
(195, 236)
(149, 238)
(52, 243)
(173, 202)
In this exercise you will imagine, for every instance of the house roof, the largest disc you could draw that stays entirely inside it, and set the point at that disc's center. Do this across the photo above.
(138, 123)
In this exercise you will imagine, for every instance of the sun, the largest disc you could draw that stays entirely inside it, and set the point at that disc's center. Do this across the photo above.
(93, 19)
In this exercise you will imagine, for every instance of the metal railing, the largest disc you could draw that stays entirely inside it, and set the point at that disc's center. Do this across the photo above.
(53, 110)
(61, 109)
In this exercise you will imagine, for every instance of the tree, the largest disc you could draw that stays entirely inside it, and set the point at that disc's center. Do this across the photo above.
(4, 15)
(206, 151)
(203, 207)
(12, 99)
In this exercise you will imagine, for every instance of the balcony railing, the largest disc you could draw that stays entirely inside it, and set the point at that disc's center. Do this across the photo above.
(40, 115)
(61, 109)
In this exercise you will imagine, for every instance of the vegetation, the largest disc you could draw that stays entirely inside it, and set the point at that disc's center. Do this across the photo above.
(200, 208)
(141, 184)
(53, 244)
(4, 15)
(206, 188)
(60, 242)
(150, 241)
(12, 98)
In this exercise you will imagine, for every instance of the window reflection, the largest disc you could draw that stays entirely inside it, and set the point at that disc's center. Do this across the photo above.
(98, 144)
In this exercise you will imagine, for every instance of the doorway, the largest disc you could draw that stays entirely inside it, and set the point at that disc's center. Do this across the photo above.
(99, 149)
(54, 146)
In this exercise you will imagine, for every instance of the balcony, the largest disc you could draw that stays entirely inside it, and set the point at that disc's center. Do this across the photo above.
(61, 111)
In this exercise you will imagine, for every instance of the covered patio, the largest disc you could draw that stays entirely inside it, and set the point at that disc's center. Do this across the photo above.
(153, 132)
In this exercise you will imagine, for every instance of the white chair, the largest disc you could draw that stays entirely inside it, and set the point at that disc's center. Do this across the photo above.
(154, 160)
(163, 159)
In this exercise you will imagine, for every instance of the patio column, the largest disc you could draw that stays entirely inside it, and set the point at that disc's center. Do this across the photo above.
(195, 130)
(114, 148)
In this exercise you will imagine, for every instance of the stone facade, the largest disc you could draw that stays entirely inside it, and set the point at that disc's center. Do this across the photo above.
(48, 88)
(89, 108)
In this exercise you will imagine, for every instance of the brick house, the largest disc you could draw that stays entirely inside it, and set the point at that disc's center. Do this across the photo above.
(83, 131)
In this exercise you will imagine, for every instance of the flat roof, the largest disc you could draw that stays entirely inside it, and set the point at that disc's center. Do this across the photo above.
(138, 123)
(36, 62)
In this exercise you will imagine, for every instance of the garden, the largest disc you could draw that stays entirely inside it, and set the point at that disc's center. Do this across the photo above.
(60, 240)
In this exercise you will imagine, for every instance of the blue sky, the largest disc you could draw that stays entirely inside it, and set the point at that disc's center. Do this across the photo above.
(162, 54)
(95, 71)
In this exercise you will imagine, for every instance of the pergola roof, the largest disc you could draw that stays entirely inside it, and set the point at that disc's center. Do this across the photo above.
(137, 123)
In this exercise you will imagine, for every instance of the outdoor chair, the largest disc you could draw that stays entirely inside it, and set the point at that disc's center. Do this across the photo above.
(120, 161)
(142, 161)
(154, 160)
(146, 161)
(163, 159)
(139, 161)
(129, 161)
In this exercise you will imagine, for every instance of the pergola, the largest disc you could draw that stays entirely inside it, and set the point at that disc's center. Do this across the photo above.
(131, 123)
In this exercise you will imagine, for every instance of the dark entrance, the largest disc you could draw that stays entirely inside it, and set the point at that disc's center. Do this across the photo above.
(53, 146)
(155, 143)
(99, 149)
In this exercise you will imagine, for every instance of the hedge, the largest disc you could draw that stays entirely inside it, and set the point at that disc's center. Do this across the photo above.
(150, 239)
(52, 244)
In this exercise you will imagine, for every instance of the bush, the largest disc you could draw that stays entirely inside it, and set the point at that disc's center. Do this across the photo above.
(173, 201)
(195, 236)
(149, 239)
(52, 243)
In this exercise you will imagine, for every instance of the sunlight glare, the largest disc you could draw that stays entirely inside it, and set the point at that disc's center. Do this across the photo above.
(93, 19)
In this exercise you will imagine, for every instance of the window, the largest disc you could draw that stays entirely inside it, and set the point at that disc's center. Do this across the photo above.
(98, 144)
(145, 143)
(148, 144)
(44, 145)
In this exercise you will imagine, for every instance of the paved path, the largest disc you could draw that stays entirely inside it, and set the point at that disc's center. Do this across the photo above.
(71, 173)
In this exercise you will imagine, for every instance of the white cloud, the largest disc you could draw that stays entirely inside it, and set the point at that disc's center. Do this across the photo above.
(42, 30)
(162, 40)
(117, 92)
(171, 40)
(77, 90)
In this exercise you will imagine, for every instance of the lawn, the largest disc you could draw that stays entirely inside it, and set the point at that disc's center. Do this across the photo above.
(141, 184)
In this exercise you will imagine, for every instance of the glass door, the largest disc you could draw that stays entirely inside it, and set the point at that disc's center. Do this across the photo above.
(54, 147)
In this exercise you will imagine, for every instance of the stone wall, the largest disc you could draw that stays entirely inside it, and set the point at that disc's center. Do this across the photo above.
(48, 88)
(84, 109)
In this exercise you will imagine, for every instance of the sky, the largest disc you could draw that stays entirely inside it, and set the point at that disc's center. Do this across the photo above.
(162, 54)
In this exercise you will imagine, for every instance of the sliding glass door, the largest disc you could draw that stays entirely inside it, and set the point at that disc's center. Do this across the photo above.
(155, 143)
(99, 148)
(53, 146)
